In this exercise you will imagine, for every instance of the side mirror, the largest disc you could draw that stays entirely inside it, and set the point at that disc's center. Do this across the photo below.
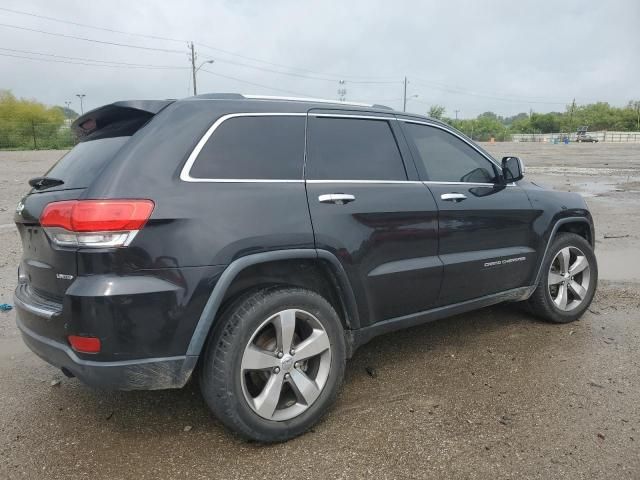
(512, 169)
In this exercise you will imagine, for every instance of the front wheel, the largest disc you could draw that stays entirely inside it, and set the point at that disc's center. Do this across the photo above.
(275, 364)
(569, 275)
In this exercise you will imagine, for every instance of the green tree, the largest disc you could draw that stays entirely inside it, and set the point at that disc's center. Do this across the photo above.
(31, 124)
(633, 112)
(436, 111)
(545, 122)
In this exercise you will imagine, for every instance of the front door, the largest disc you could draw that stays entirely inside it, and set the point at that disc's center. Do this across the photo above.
(377, 219)
(485, 229)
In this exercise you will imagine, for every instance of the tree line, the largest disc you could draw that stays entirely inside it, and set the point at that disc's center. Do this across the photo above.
(596, 116)
(29, 124)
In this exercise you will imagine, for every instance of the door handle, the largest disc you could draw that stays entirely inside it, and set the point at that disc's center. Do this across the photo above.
(453, 197)
(336, 198)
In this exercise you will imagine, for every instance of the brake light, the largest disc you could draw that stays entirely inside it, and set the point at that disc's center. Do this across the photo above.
(85, 344)
(95, 223)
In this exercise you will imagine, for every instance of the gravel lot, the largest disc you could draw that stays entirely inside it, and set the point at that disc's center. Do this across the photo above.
(490, 394)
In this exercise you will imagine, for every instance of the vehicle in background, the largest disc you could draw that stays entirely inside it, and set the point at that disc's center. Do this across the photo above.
(585, 137)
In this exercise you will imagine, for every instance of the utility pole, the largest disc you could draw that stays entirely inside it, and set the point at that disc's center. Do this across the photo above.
(571, 110)
(404, 97)
(81, 96)
(193, 69)
(342, 91)
(456, 114)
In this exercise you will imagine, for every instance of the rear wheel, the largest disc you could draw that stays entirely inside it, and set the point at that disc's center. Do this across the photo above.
(275, 364)
(568, 280)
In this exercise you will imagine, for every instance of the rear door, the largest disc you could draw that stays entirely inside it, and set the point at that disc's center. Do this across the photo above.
(369, 209)
(485, 229)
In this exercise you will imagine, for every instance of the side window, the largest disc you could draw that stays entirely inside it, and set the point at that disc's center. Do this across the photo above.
(261, 147)
(446, 158)
(352, 149)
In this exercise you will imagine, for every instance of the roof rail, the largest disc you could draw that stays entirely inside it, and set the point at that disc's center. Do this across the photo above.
(308, 99)
(238, 96)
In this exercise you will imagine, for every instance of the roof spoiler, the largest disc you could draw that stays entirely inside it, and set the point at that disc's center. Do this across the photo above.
(117, 119)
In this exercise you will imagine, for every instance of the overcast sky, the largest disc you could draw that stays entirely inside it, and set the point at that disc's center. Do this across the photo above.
(471, 56)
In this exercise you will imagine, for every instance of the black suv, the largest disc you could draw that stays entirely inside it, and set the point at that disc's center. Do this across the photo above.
(256, 242)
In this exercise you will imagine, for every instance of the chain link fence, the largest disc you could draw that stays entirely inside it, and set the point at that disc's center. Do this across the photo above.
(35, 136)
(601, 136)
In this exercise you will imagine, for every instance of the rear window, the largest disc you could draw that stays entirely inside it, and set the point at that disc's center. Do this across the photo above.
(82, 165)
(352, 149)
(262, 148)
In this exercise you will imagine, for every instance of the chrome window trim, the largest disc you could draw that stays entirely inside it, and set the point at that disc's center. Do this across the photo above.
(412, 182)
(185, 174)
(477, 184)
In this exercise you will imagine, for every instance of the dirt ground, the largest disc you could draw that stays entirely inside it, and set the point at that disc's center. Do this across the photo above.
(490, 395)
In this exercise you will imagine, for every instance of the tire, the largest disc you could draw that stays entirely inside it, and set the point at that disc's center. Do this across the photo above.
(542, 302)
(235, 391)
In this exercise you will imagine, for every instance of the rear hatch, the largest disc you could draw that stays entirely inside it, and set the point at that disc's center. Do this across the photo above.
(47, 270)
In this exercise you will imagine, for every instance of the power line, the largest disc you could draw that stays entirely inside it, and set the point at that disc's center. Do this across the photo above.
(309, 77)
(335, 76)
(457, 90)
(314, 76)
(74, 37)
(169, 39)
(255, 84)
(71, 62)
(113, 63)
(154, 37)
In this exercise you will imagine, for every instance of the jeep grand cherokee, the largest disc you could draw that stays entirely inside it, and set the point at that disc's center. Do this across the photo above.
(256, 242)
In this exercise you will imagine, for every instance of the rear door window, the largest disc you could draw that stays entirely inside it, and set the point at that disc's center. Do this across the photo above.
(260, 148)
(82, 165)
(352, 149)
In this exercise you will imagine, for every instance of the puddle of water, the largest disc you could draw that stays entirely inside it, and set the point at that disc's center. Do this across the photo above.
(621, 265)
(594, 189)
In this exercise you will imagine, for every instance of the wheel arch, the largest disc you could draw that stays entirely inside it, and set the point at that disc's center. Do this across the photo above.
(578, 225)
(285, 267)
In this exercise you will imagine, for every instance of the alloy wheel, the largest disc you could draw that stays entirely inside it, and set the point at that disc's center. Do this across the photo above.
(569, 277)
(285, 365)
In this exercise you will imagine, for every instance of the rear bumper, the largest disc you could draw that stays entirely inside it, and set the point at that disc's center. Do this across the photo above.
(144, 374)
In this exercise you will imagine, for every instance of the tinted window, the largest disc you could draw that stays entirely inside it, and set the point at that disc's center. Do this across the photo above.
(80, 167)
(266, 148)
(352, 149)
(446, 158)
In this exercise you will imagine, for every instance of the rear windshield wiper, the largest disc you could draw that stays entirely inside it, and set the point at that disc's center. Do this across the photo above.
(42, 183)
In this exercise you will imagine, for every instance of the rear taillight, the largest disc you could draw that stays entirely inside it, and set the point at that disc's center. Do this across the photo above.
(95, 223)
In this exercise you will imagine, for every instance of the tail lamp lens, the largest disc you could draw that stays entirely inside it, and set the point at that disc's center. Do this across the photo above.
(95, 223)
